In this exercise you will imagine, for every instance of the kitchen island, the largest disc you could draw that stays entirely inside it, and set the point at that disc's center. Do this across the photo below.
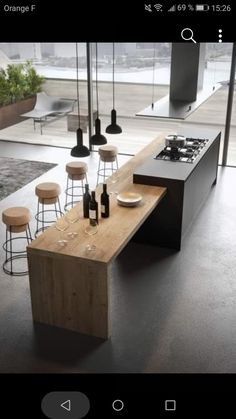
(71, 286)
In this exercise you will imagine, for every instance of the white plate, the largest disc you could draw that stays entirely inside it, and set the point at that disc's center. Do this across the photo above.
(129, 199)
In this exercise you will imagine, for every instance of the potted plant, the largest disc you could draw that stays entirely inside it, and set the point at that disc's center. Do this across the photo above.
(19, 84)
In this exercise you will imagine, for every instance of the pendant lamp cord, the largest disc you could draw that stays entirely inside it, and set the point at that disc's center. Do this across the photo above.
(153, 73)
(113, 73)
(97, 78)
(77, 81)
(214, 74)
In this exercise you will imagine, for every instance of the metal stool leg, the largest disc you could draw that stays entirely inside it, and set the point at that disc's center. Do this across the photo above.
(37, 224)
(98, 172)
(8, 252)
(72, 182)
(56, 212)
(6, 249)
(67, 187)
(104, 171)
(82, 185)
(117, 167)
(59, 206)
(29, 232)
(11, 250)
(43, 223)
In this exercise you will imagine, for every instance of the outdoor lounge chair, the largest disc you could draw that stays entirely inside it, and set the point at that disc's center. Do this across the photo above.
(49, 108)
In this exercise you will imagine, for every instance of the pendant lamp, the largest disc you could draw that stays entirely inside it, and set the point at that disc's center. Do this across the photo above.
(79, 150)
(113, 128)
(97, 138)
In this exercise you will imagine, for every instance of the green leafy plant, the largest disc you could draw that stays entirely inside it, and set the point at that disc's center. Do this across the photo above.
(19, 81)
(4, 88)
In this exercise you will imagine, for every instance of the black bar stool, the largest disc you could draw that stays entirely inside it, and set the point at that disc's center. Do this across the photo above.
(48, 194)
(17, 221)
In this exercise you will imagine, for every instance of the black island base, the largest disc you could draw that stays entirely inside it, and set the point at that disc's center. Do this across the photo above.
(188, 185)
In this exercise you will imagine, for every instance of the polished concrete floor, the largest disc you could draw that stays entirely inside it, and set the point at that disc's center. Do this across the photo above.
(171, 311)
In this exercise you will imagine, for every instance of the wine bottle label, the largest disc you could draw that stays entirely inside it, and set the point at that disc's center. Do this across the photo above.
(92, 214)
(103, 208)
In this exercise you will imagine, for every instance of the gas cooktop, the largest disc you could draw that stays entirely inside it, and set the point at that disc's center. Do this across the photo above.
(186, 154)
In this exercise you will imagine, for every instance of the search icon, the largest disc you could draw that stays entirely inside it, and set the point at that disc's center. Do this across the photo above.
(187, 35)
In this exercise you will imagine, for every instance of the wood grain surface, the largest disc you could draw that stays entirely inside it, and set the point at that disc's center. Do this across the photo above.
(70, 286)
(116, 231)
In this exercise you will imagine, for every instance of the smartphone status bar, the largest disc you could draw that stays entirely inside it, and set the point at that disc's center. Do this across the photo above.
(187, 8)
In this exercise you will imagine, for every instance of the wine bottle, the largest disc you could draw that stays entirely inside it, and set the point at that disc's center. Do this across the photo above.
(86, 201)
(105, 204)
(93, 209)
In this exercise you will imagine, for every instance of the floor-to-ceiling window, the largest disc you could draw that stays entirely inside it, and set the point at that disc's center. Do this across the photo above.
(142, 76)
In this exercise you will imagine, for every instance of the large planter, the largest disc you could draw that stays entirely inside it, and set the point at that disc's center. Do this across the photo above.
(10, 114)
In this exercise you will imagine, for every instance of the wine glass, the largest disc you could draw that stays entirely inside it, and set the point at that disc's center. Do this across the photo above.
(114, 180)
(72, 217)
(91, 229)
(61, 225)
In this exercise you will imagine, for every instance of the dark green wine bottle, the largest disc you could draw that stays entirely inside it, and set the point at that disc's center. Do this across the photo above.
(86, 201)
(93, 209)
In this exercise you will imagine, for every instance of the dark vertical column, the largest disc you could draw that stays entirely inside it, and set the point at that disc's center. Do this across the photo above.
(229, 106)
(187, 70)
(201, 66)
(90, 91)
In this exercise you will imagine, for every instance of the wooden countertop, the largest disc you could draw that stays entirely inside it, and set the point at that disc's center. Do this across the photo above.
(114, 232)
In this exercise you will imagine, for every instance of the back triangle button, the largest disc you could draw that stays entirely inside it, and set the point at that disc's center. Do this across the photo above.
(66, 405)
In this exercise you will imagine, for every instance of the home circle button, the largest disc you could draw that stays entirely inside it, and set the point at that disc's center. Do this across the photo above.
(118, 405)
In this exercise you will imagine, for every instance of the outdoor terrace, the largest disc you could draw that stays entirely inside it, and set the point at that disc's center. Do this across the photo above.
(137, 131)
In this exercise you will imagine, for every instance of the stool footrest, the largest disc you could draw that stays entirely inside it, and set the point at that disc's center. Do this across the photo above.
(9, 261)
(57, 212)
(12, 255)
(44, 227)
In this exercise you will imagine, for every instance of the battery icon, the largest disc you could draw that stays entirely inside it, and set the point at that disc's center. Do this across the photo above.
(202, 7)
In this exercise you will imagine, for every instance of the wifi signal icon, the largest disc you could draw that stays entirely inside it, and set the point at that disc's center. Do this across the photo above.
(158, 7)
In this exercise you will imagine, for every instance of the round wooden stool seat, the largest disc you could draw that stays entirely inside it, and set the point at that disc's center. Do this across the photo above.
(48, 192)
(16, 216)
(76, 170)
(17, 221)
(108, 153)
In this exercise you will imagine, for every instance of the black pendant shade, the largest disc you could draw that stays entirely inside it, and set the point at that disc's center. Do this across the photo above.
(98, 138)
(80, 150)
(113, 128)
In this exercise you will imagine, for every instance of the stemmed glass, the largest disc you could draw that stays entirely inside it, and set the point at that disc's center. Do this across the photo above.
(114, 180)
(61, 225)
(91, 229)
(72, 217)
